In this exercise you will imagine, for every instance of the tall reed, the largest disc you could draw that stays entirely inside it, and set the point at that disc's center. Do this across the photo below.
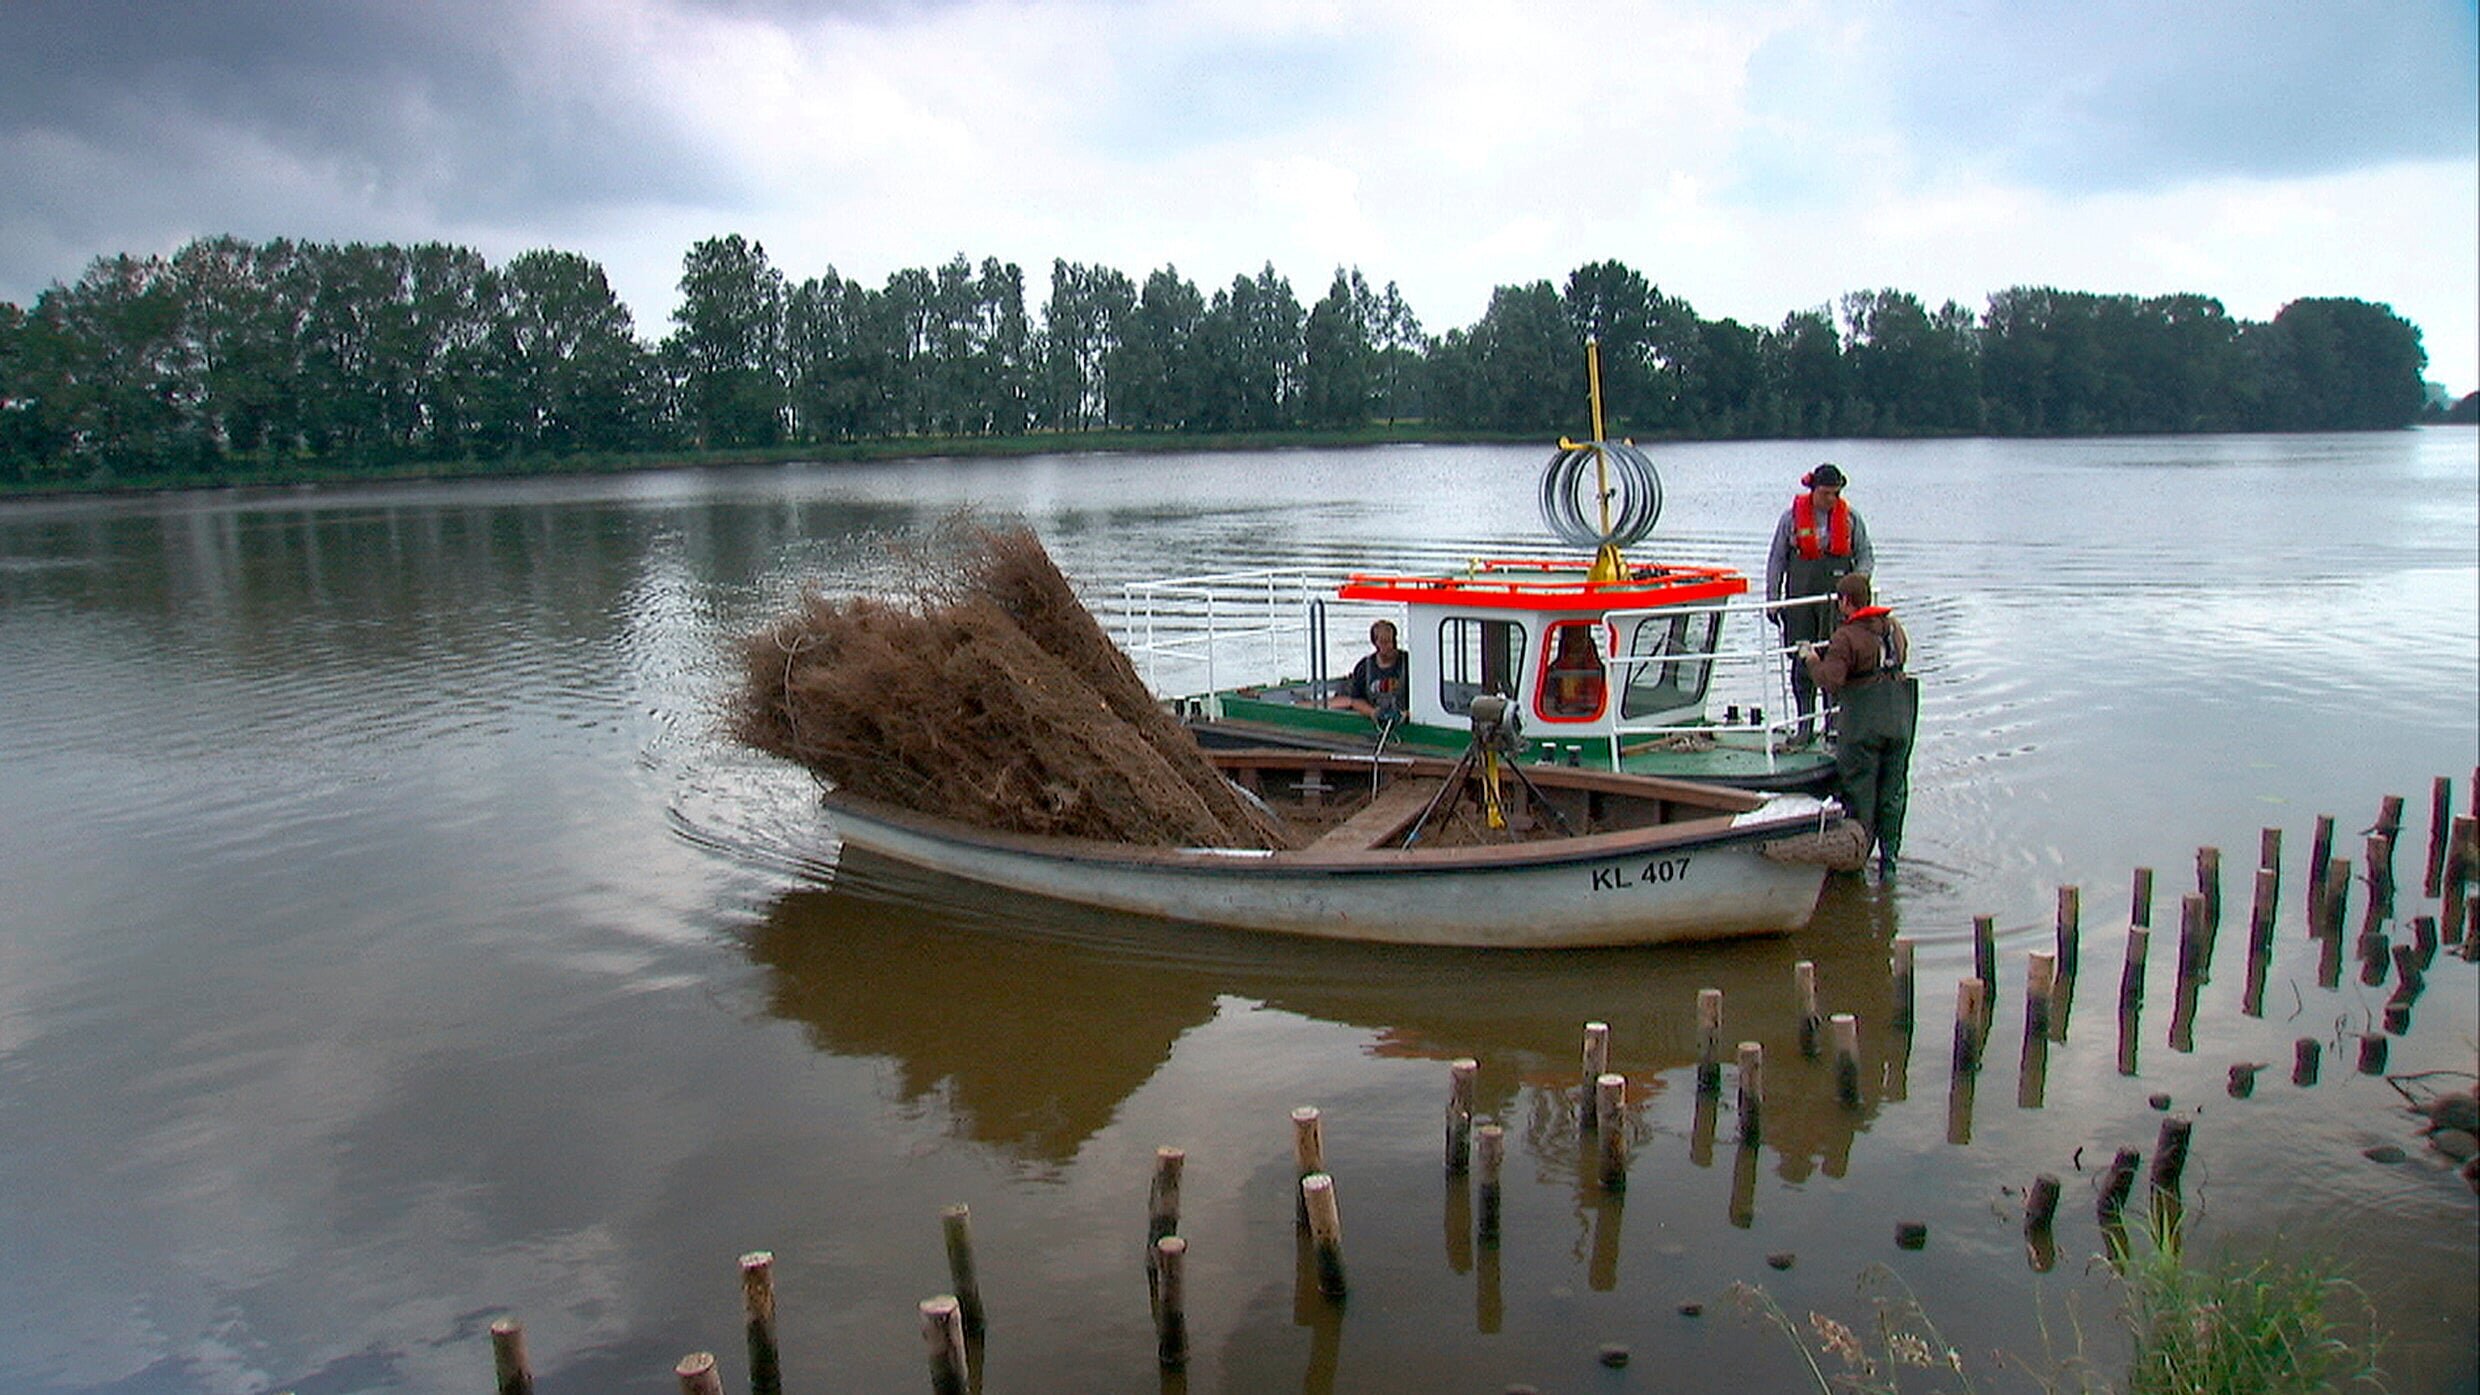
(2269, 1326)
(1900, 1348)
(2289, 1325)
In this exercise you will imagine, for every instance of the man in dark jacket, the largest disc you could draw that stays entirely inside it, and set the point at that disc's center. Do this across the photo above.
(1861, 668)
(1376, 688)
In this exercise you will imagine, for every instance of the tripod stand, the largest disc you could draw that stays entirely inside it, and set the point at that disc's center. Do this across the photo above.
(1485, 753)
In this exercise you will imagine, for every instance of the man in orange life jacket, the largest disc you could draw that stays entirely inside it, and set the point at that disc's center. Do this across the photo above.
(1819, 541)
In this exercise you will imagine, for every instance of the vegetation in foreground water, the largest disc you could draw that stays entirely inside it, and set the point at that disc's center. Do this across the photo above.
(2278, 1325)
(2291, 1324)
(1895, 1348)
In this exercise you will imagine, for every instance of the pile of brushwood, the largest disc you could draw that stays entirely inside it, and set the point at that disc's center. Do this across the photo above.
(992, 698)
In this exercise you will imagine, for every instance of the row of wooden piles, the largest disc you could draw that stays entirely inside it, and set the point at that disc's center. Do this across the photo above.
(952, 1323)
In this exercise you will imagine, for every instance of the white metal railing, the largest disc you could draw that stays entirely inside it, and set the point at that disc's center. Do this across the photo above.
(1747, 679)
(1199, 634)
(1196, 635)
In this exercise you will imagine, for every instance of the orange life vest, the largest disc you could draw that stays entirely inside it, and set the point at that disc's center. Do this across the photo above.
(1804, 528)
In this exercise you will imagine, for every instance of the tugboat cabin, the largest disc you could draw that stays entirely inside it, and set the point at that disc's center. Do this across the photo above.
(1545, 635)
(1605, 662)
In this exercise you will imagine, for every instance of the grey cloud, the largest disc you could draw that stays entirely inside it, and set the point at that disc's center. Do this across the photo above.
(797, 12)
(2142, 93)
(124, 113)
(1237, 91)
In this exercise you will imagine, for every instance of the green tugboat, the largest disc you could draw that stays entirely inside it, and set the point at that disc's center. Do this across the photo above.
(1643, 668)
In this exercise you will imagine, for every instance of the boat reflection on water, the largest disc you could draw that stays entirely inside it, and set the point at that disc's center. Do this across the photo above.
(1032, 1022)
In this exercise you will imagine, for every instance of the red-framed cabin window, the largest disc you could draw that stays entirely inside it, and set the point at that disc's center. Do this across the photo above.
(1574, 684)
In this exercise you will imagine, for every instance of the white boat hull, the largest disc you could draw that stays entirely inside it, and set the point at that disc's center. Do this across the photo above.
(1702, 879)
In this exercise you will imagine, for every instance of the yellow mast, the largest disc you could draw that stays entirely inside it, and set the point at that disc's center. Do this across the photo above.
(1608, 565)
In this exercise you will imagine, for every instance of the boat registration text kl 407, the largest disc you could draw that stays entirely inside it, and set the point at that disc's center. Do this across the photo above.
(1661, 869)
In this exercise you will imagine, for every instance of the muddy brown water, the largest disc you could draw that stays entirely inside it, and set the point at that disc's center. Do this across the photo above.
(390, 945)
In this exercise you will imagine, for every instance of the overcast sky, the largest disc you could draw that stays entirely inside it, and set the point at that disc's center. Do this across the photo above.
(1752, 158)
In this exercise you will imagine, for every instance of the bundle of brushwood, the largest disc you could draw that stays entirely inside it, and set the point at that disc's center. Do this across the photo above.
(992, 698)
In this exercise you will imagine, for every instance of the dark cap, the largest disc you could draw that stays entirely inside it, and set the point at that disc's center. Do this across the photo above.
(1827, 475)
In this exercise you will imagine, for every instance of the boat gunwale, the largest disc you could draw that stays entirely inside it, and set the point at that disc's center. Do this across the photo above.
(1721, 828)
(1666, 788)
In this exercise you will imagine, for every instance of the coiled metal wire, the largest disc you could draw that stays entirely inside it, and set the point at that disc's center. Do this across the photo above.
(1581, 479)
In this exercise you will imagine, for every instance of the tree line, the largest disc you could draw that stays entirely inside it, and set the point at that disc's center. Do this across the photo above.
(230, 358)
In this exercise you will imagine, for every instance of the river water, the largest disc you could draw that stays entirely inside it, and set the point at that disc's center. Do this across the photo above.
(390, 944)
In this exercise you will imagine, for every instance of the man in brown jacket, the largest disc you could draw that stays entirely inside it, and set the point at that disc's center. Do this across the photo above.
(1861, 668)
